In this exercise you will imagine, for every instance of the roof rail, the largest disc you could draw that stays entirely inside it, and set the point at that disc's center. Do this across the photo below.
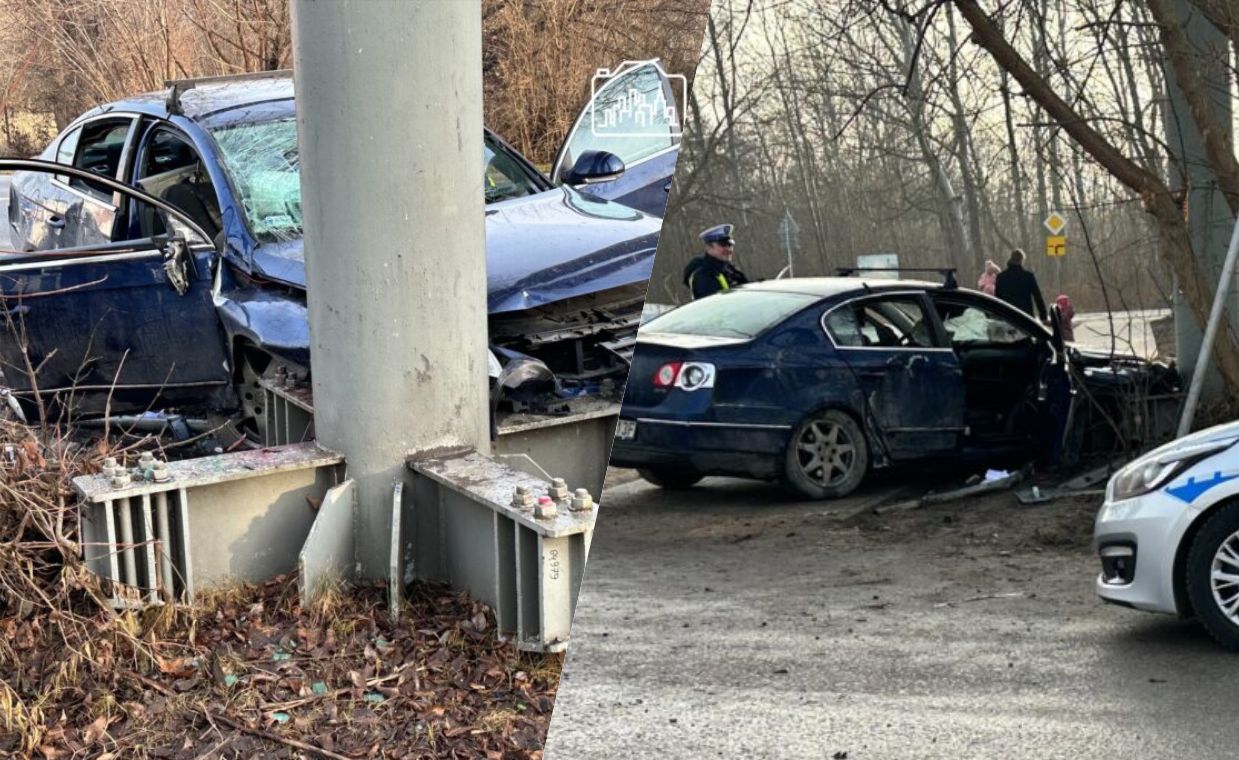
(179, 86)
(948, 273)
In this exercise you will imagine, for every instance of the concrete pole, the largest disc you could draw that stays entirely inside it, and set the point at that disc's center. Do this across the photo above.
(1209, 218)
(389, 119)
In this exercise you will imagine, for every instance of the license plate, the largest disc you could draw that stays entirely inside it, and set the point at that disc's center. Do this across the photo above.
(626, 430)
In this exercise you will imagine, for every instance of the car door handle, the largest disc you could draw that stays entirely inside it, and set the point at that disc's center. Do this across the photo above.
(56, 221)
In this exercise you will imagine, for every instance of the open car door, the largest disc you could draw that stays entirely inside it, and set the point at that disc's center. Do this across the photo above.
(910, 379)
(634, 115)
(123, 326)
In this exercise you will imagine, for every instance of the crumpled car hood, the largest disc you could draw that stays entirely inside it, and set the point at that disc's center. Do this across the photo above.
(539, 249)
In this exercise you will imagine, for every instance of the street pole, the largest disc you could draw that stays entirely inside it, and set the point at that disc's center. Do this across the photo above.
(1206, 346)
(389, 101)
(1208, 215)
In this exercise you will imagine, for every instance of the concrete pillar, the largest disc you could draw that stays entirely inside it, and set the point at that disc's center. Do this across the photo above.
(1209, 219)
(389, 118)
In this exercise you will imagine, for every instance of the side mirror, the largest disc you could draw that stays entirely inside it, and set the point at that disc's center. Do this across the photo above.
(594, 166)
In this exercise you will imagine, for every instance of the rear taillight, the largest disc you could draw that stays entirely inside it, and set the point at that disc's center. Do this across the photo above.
(689, 376)
(666, 375)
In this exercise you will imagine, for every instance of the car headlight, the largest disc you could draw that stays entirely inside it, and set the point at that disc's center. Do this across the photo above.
(1153, 471)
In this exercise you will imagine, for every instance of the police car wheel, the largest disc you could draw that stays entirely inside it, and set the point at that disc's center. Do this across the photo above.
(827, 456)
(672, 480)
(1213, 576)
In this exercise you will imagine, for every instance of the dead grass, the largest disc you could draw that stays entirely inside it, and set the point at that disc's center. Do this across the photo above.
(245, 673)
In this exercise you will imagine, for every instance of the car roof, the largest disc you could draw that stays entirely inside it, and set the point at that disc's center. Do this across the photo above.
(206, 99)
(824, 287)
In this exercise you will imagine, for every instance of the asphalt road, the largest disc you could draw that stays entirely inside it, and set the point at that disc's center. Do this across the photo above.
(728, 621)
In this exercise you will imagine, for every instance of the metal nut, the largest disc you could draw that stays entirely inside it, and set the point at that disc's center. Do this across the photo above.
(120, 479)
(582, 501)
(559, 489)
(146, 460)
(109, 462)
(160, 472)
(545, 508)
(523, 498)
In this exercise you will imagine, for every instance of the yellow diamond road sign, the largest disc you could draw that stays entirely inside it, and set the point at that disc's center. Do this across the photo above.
(1055, 223)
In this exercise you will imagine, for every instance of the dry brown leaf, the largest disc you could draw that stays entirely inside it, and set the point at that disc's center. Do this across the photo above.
(95, 732)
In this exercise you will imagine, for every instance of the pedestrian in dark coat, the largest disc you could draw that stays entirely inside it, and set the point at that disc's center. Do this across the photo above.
(1018, 287)
(713, 271)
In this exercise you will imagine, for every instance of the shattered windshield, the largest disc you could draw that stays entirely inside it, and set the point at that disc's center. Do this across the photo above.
(264, 165)
(263, 162)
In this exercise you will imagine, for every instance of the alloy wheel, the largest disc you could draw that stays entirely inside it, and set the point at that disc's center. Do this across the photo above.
(1224, 578)
(826, 452)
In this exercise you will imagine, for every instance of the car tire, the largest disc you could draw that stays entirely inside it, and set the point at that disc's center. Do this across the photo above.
(827, 456)
(1216, 601)
(672, 480)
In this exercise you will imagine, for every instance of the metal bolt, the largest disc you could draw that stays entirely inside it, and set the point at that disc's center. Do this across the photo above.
(160, 472)
(545, 508)
(582, 501)
(559, 489)
(120, 479)
(523, 498)
(146, 460)
(109, 462)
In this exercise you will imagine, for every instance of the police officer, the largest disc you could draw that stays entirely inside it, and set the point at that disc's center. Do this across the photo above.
(713, 271)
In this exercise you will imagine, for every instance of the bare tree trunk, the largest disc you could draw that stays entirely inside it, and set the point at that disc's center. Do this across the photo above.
(951, 215)
(1175, 243)
(963, 150)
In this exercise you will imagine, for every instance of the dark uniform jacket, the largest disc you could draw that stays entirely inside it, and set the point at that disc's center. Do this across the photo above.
(1018, 287)
(706, 275)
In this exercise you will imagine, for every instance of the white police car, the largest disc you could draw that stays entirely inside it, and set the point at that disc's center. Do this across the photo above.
(1168, 534)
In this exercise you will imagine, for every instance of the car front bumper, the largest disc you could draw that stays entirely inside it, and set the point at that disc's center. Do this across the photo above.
(1152, 526)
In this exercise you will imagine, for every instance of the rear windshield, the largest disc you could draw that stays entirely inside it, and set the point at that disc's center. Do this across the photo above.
(738, 314)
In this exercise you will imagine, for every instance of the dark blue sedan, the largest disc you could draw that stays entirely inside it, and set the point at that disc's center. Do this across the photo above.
(816, 381)
(104, 329)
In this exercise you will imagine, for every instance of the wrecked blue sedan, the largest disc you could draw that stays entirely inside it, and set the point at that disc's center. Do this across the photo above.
(158, 260)
(815, 381)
